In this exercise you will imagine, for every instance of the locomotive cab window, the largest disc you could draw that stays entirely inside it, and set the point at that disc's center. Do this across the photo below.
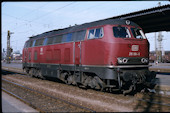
(121, 32)
(138, 33)
(95, 33)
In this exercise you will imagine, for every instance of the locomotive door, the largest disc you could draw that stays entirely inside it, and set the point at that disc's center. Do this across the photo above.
(77, 53)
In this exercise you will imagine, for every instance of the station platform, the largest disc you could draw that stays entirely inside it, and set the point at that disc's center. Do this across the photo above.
(160, 68)
(11, 104)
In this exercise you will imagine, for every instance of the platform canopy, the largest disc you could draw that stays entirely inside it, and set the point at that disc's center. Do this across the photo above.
(151, 20)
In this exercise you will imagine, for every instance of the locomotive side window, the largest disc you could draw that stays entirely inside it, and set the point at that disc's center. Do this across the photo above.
(26, 44)
(38, 42)
(138, 33)
(41, 41)
(50, 40)
(95, 33)
(58, 39)
(79, 36)
(67, 37)
(121, 32)
(64, 38)
(45, 41)
(31, 42)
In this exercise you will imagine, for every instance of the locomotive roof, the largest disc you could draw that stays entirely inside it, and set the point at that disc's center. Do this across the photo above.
(84, 26)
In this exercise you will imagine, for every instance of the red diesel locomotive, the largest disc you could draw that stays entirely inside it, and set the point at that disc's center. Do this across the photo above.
(109, 54)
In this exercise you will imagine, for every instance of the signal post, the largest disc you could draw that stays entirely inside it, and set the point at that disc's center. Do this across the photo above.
(9, 49)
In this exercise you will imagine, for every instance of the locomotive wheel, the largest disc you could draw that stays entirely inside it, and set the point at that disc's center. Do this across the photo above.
(74, 81)
(40, 75)
(31, 72)
(34, 72)
(63, 77)
(69, 79)
(26, 70)
(85, 80)
(99, 83)
(91, 82)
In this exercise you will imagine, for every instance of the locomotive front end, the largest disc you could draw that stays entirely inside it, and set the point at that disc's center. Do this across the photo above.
(131, 58)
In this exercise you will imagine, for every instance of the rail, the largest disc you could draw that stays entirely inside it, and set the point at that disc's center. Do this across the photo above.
(39, 100)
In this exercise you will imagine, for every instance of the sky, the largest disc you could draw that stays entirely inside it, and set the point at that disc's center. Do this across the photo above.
(27, 19)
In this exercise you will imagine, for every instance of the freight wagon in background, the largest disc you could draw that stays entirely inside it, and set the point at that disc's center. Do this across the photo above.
(16, 56)
(109, 55)
(165, 57)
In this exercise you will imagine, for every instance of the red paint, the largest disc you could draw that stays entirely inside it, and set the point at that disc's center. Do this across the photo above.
(102, 51)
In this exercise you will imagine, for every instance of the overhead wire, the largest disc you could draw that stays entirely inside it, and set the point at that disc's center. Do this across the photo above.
(91, 7)
(34, 10)
(20, 18)
(52, 11)
(46, 14)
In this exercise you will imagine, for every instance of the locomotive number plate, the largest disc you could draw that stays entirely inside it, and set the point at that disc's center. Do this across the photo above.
(134, 53)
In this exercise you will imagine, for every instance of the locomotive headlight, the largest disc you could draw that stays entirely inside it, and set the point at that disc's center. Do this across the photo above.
(125, 60)
(122, 60)
(144, 60)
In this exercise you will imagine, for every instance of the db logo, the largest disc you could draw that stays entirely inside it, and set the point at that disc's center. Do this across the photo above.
(135, 47)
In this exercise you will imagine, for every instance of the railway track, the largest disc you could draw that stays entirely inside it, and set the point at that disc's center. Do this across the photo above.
(151, 102)
(148, 102)
(39, 100)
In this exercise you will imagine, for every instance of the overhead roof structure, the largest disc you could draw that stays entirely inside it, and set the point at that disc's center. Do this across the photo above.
(151, 20)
